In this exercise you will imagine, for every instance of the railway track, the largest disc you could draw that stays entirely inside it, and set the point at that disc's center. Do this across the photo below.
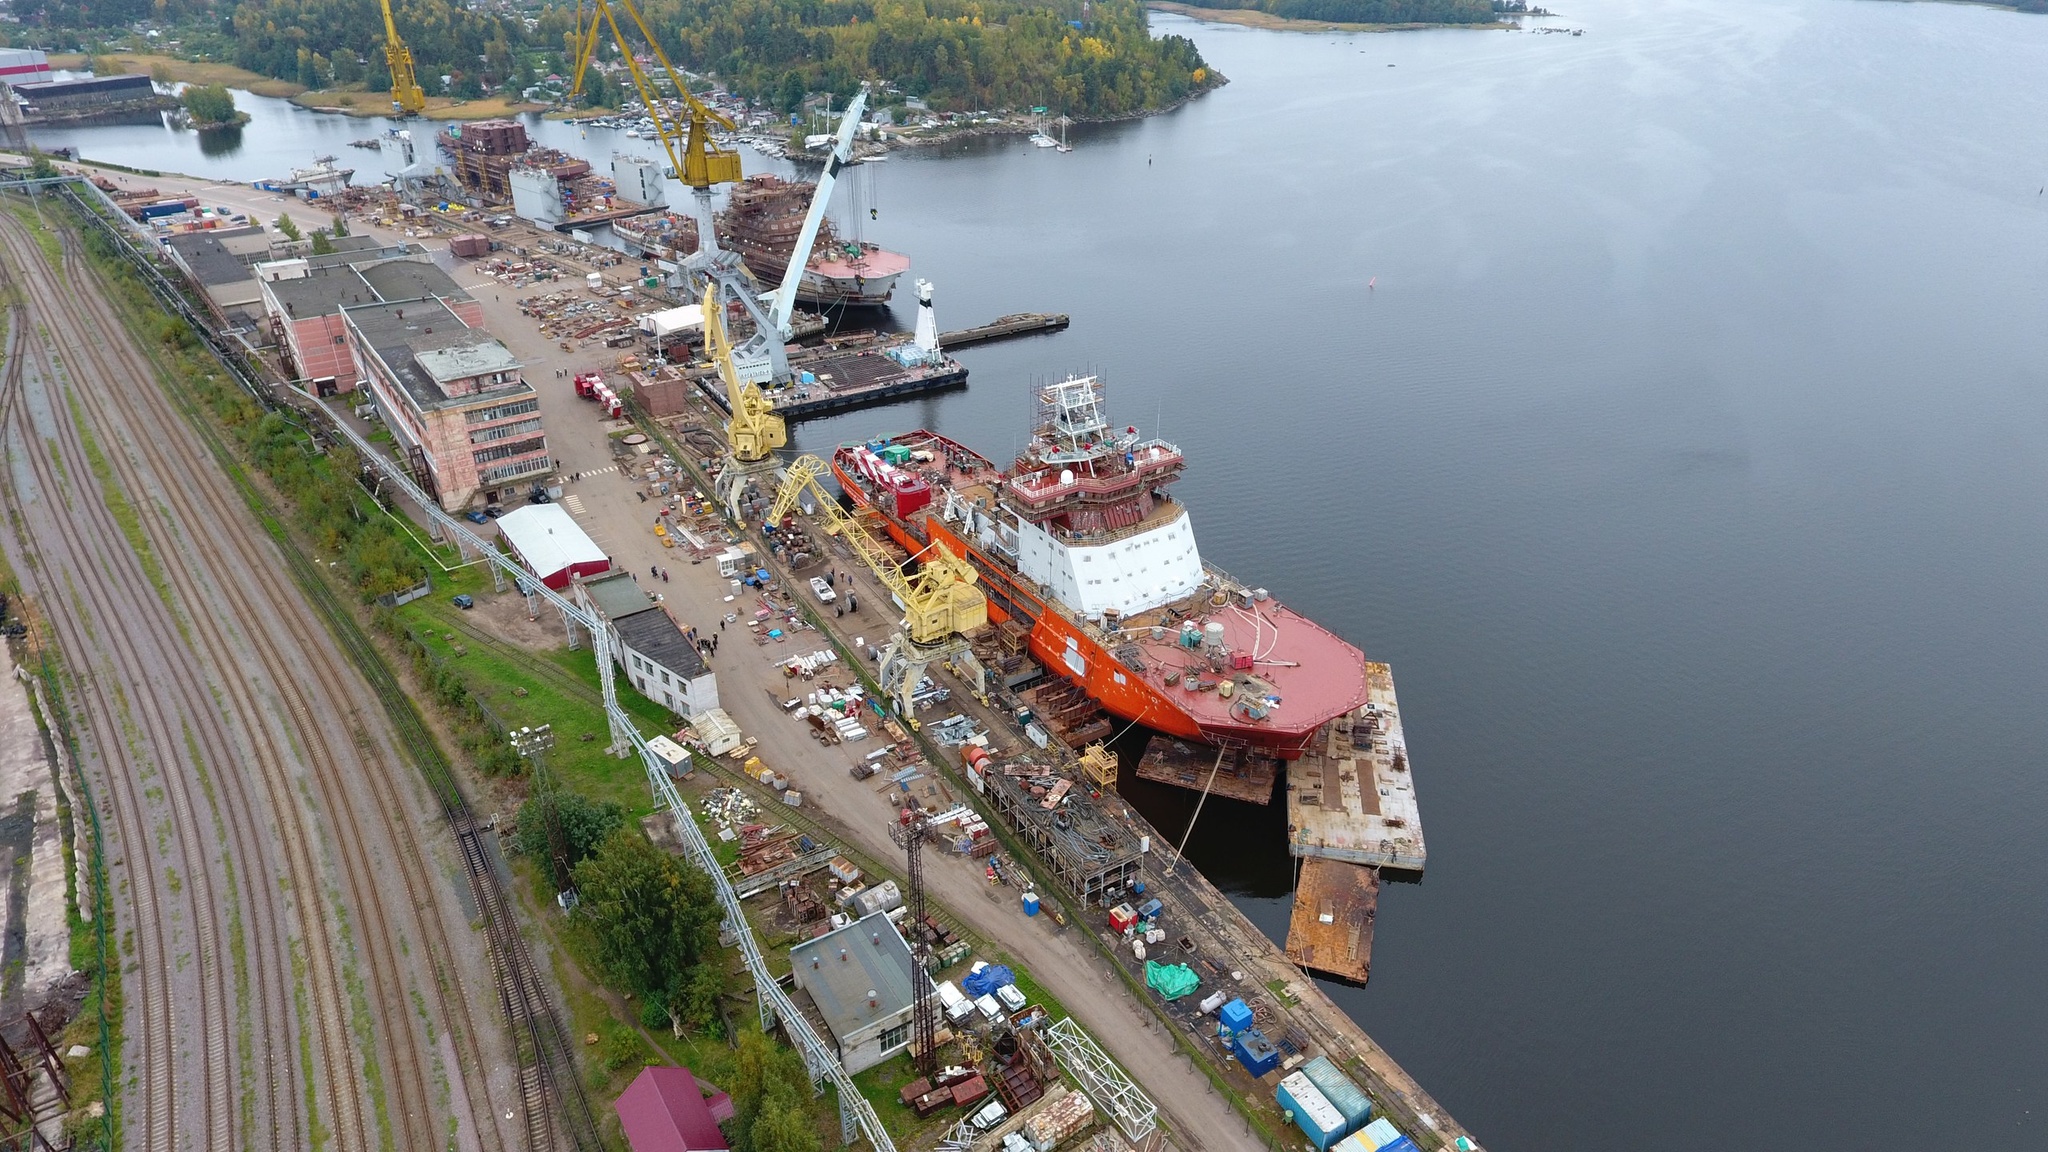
(383, 976)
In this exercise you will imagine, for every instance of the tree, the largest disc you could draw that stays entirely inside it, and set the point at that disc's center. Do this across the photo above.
(284, 224)
(769, 1091)
(321, 244)
(585, 824)
(340, 226)
(209, 104)
(347, 69)
(655, 925)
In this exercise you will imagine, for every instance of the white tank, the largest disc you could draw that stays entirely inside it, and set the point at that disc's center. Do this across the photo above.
(1213, 633)
(1066, 476)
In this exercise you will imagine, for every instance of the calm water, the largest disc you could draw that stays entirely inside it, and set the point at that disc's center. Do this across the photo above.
(1686, 462)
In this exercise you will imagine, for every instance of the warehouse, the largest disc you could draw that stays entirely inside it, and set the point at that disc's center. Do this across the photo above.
(546, 540)
(659, 656)
(860, 978)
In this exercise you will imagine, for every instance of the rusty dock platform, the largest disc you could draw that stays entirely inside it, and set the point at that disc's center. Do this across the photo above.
(1350, 798)
(1233, 773)
(1330, 930)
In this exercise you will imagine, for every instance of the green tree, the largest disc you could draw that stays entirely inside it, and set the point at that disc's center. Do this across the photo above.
(321, 244)
(347, 69)
(340, 227)
(284, 224)
(654, 923)
(585, 824)
(209, 104)
(770, 1089)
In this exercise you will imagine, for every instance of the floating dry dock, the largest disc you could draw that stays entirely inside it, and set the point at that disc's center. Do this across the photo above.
(1350, 797)
(1005, 328)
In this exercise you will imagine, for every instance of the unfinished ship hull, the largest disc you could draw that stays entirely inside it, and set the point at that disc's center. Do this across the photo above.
(1077, 542)
(762, 223)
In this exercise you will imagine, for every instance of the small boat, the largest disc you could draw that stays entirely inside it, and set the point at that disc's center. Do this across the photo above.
(1043, 141)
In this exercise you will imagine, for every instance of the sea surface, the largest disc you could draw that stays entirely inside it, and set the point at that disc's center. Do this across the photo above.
(1669, 405)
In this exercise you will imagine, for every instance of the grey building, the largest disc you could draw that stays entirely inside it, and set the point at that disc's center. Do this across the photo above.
(659, 656)
(859, 977)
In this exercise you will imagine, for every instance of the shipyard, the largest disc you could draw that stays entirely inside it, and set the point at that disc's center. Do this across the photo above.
(902, 681)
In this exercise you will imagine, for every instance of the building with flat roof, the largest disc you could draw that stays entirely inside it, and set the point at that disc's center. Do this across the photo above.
(659, 656)
(220, 261)
(452, 395)
(860, 979)
(303, 298)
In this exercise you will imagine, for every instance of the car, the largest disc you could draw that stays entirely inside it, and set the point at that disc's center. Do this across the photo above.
(476, 517)
(465, 601)
(823, 588)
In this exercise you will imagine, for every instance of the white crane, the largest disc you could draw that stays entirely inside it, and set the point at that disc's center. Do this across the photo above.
(842, 151)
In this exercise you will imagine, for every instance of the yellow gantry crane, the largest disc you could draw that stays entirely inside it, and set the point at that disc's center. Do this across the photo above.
(692, 155)
(941, 604)
(406, 95)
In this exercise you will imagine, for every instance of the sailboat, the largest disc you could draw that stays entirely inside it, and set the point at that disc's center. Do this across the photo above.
(1063, 145)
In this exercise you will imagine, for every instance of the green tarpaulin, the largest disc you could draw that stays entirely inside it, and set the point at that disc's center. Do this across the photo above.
(1172, 981)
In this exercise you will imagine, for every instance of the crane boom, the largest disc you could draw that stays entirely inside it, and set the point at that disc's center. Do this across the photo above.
(693, 156)
(406, 95)
(939, 602)
(800, 256)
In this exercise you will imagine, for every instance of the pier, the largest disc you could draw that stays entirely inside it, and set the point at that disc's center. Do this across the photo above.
(844, 381)
(1351, 798)
(1005, 328)
(1330, 929)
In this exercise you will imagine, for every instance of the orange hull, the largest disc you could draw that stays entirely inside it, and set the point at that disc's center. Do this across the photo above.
(1065, 649)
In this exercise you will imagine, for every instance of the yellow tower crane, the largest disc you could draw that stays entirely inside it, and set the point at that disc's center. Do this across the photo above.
(941, 605)
(692, 155)
(406, 95)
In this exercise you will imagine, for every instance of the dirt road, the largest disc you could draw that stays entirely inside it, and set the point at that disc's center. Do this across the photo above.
(299, 963)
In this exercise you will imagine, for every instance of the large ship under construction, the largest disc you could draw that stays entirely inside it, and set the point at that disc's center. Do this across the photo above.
(1083, 552)
(762, 222)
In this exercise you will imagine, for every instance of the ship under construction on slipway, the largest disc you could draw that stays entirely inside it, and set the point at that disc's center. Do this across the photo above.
(1091, 565)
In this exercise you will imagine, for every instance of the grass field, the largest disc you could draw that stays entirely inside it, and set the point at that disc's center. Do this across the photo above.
(361, 103)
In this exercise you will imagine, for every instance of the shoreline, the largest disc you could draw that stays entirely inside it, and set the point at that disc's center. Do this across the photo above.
(1254, 18)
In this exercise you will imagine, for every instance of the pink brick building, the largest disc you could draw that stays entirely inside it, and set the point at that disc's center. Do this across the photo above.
(453, 397)
(303, 299)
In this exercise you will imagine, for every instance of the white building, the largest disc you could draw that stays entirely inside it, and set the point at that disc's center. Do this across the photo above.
(659, 657)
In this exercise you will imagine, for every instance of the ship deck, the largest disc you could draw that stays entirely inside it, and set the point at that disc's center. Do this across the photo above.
(1351, 798)
(1330, 929)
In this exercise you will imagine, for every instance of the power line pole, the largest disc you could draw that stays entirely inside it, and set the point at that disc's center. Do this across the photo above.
(910, 831)
(533, 744)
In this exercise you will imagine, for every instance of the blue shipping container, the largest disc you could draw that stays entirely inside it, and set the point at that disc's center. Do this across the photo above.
(1380, 1133)
(1313, 1114)
(1404, 1144)
(1339, 1090)
(1255, 1052)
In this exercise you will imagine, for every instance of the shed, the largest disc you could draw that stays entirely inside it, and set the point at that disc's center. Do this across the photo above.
(663, 1110)
(670, 323)
(550, 544)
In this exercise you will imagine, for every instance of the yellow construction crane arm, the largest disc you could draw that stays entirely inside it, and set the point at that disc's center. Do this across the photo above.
(940, 601)
(753, 430)
(406, 95)
(696, 160)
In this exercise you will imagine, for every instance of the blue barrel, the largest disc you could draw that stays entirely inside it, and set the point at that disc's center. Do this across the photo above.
(1031, 903)
(1138, 886)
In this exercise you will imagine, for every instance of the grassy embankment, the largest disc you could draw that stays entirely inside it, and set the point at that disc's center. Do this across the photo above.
(349, 102)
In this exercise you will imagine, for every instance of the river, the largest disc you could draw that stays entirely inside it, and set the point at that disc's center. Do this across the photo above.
(1669, 406)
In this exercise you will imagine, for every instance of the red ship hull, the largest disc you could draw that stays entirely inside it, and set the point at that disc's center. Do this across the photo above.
(1067, 648)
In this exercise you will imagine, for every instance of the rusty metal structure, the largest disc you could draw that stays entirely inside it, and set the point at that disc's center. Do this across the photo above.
(1094, 855)
(911, 831)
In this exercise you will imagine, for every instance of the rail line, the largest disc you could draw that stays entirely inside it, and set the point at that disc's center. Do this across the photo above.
(112, 632)
(550, 1086)
(247, 580)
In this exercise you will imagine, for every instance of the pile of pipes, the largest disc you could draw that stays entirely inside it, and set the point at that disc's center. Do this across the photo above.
(954, 731)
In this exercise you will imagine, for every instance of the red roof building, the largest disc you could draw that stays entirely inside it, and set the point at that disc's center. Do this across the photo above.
(663, 1110)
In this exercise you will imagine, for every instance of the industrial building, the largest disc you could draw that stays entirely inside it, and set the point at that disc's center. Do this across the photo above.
(89, 98)
(859, 977)
(303, 298)
(221, 262)
(549, 543)
(24, 65)
(452, 395)
(659, 656)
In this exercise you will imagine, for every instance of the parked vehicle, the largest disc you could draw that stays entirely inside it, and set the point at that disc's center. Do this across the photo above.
(465, 602)
(823, 588)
